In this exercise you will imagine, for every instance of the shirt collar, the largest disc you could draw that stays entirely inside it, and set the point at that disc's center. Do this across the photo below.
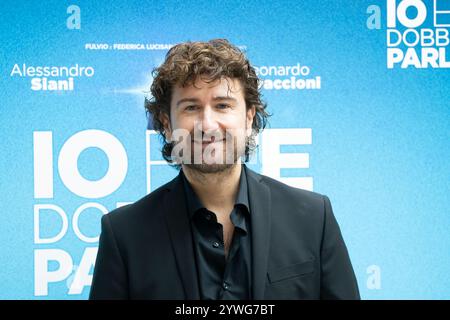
(194, 204)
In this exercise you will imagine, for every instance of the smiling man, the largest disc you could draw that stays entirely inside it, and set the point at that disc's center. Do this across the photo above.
(218, 230)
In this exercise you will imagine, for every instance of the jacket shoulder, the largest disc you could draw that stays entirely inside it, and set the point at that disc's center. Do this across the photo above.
(145, 207)
(279, 188)
(289, 201)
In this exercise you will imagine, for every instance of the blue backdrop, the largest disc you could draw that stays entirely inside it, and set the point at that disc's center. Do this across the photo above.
(357, 115)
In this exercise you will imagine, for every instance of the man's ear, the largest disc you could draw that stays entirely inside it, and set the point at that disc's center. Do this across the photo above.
(249, 119)
(164, 118)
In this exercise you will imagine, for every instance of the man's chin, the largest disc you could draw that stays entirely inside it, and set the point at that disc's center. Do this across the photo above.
(210, 168)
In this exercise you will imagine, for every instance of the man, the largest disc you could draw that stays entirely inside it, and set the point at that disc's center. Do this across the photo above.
(218, 230)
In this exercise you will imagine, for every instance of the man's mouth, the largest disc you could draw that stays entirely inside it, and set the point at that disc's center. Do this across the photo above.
(206, 142)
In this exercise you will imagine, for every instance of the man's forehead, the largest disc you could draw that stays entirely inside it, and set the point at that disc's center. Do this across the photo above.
(223, 86)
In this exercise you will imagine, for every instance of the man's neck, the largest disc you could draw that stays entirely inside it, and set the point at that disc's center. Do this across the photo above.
(215, 190)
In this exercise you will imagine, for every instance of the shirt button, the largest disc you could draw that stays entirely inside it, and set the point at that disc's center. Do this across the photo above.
(225, 286)
(216, 244)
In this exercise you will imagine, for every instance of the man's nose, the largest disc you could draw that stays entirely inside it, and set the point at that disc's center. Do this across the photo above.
(209, 120)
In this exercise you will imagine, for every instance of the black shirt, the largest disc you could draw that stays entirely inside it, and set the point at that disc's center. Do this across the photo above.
(221, 278)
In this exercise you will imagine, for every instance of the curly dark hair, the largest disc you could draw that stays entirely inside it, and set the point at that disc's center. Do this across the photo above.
(184, 64)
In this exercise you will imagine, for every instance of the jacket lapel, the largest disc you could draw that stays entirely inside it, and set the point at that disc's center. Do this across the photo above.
(181, 236)
(260, 202)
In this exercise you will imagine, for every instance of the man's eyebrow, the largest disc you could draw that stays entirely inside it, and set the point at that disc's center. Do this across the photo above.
(187, 100)
(224, 98)
(216, 98)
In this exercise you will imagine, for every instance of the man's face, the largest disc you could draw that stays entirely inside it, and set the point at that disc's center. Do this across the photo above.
(209, 123)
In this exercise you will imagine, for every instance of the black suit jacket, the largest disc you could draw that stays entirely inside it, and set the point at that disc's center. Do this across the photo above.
(146, 249)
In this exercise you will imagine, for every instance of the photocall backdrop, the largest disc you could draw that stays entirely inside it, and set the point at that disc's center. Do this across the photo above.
(359, 92)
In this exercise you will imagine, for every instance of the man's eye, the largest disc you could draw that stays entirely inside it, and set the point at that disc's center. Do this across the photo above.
(223, 106)
(190, 108)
